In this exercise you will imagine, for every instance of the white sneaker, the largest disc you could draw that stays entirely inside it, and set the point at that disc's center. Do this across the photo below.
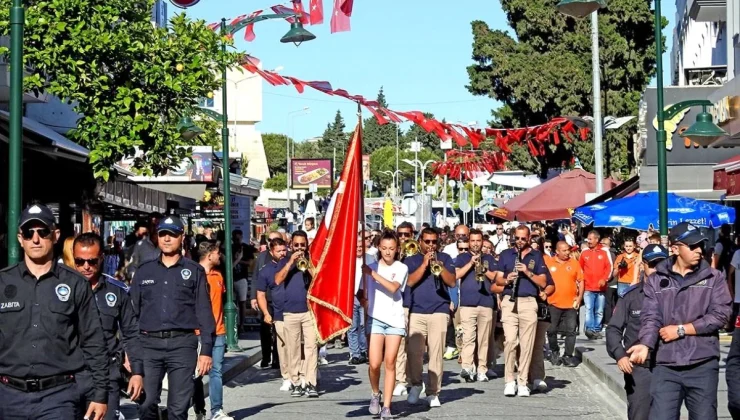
(286, 385)
(539, 385)
(434, 401)
(323, 361)
(400, 390)
(220, 415)
(523, 391)
(510, 389)
(413, 397)
(481, 377)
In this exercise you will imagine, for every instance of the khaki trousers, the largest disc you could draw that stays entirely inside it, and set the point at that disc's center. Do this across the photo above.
(537, 368)
(495, 344)
(520, 329)
(401, 357)
(476, 325)
(299, 327)
(282, 349)
(429, 329)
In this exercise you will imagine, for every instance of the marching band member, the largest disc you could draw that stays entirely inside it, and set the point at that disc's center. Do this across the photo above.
(405, 231)
(429, 272)
(476, 271)
(298, 325)
(385, 282)
(522, 269)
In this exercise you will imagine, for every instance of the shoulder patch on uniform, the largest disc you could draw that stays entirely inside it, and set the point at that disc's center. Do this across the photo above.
(186, 274)
(116, 283)
(63, 291)
(111, 299)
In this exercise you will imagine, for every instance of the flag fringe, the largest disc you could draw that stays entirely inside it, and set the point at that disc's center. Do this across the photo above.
(333, 309)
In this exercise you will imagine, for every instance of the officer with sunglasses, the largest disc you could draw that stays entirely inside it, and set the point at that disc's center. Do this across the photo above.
(50, 331)
(170, 298)
(117, 315)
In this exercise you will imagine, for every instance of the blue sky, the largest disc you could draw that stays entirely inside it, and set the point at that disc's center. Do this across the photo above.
(417, 50)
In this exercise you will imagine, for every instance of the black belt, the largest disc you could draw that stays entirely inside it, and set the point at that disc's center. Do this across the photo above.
(37, 384)
(167, 334)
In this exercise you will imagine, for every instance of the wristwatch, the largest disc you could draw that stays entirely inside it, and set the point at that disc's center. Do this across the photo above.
(681, 331)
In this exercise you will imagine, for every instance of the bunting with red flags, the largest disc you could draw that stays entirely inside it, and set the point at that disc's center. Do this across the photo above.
(340, 16)
(332, 252)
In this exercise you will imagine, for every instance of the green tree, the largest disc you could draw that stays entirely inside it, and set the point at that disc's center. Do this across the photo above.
(278, 182)
(131, 83)
(375, 136)
(334, 138)
(308, 150)
(384, 159)
(275, 152)
(545, 72)
(429, 141)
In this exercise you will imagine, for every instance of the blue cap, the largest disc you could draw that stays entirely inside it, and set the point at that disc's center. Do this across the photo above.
(171, 224)
(39, 213)
(654, 253)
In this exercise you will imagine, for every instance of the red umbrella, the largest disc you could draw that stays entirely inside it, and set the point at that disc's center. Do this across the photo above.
(554, 199)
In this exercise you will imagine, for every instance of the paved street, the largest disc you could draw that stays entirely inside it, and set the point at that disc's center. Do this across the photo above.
(574, 394)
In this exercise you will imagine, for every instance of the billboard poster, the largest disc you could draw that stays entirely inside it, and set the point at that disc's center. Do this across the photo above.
(304, 172)
(198, 168)
(366, 168)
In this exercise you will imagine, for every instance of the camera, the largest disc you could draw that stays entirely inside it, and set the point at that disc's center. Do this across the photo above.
(623, 265)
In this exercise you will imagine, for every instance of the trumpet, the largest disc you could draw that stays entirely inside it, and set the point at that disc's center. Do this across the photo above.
(303, 264)
(480, 271)
(435, 267)
(410, 248)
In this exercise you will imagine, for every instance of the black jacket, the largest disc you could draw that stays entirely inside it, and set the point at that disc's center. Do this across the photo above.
(624, 327)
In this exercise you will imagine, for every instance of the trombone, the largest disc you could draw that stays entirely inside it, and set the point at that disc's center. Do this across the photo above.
(410, 248)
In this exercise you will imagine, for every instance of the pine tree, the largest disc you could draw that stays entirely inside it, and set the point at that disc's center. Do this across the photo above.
(375, 136)
(334, 138)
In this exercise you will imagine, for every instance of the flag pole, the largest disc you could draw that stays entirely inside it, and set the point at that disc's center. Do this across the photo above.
(362, 220)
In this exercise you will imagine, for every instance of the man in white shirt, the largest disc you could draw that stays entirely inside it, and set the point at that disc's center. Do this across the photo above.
(500, 240)
(461, 231)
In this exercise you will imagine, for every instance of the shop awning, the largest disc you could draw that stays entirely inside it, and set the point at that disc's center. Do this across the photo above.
(625, 189)
(37, 136)
(515, 180)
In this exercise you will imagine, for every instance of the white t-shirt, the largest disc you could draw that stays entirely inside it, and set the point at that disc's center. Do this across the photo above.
(311, 234)
(451, 250)
(500, 244)
(736, 263)
(383, 305)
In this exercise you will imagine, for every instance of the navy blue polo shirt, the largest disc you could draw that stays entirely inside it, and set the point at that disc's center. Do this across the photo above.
(426, 298)
(534, 262)
(266, 281)
(470, 288)
(295, 289)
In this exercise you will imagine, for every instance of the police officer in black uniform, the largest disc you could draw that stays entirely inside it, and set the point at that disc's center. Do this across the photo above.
(116, 314)
(49, 331)
(622, 333)
(170, 298)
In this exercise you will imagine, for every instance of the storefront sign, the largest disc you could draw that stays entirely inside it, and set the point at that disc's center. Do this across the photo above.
(241, 213)
(198, 168)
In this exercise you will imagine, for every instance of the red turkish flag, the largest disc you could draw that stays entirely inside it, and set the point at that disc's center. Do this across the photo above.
(331, 293)
(339, 19)
(316, 12)
(249, 31)
(346, 7)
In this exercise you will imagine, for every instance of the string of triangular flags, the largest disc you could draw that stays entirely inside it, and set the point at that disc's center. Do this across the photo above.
(340, 17)
(536, 137)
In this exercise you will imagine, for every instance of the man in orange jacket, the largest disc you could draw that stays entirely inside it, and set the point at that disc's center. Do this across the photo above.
(597, 268)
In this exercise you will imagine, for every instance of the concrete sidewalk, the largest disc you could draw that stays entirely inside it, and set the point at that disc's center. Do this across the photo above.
(594, 356)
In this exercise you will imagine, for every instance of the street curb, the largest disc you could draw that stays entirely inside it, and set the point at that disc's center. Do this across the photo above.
(237, 369)
(601, 374)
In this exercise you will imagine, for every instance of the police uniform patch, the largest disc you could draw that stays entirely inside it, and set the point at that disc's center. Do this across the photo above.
(10, 291)
(186, 274)
(63, 292)
(111, 299)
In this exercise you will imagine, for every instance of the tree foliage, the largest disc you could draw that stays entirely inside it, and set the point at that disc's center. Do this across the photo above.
(308, 150)
(275, 152)
(130, 82)
(277, 182)
(384, 160)
(374, 135)
(545, 72)
(429, 141)
(334, 137)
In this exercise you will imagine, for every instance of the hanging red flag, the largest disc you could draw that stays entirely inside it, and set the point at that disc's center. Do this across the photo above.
(316, 12)
(249, 31)
(298, 8)
(346, 7)
(339, 19)
(378, 116)
(331, 293)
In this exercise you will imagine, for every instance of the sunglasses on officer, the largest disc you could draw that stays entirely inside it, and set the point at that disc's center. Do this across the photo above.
(28, 233)
(79, 262)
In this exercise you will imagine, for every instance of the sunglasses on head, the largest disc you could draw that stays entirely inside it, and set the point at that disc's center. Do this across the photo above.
(79, 262)
(27, 233)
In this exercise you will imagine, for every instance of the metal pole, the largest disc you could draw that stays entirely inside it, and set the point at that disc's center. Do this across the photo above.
(395, 183)
(15, 143)
(230, 311)
(661, 134)
(598, 123)
(334, 163)
(423, 195)
(444, 196)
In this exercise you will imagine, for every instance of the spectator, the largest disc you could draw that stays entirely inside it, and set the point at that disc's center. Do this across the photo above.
(596, 272)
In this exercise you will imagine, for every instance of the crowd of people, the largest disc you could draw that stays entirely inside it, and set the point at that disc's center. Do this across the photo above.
(420, 296)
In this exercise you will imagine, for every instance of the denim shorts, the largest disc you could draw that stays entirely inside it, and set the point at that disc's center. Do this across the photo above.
(380, 327)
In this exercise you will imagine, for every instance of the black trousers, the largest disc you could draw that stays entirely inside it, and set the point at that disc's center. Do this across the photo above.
(563, 321)
(268, 340)
(87, 390)
(637, 386)
(61, 402)
(695, 384)
(177, 357)
(610, 302)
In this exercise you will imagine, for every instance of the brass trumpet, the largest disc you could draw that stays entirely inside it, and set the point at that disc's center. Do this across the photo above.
(435, 267)
(303, 264)
(410, 248)
(480, 271)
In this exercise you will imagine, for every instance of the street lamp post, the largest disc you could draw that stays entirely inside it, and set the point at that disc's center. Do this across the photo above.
(417, 164)
(580, 9)
(297, 34)
(394, 176)
(15, 138)
(287, 158)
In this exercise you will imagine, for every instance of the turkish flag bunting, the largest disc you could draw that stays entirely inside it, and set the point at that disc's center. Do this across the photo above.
(249, 31)
(298, 8)
(331, 293)
(339, 19)
(378, 116)
(316, 12)
(347, 6)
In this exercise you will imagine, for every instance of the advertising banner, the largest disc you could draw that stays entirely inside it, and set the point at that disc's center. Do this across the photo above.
(199, 168)
(241, 214)
(304, 172)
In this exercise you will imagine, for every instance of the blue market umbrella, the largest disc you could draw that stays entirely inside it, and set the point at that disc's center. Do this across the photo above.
(641, 212)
